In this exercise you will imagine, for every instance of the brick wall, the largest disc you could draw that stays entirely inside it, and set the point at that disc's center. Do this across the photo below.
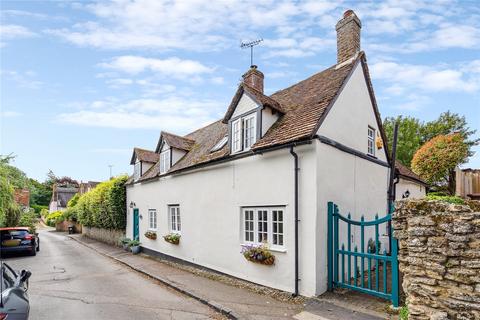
(439, 256)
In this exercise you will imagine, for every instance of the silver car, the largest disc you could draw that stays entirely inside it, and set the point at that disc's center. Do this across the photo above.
(14, 303)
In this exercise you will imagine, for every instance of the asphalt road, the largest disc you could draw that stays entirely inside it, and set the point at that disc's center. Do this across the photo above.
(70, 281)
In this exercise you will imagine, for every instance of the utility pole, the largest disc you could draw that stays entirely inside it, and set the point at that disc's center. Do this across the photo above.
(110, 166)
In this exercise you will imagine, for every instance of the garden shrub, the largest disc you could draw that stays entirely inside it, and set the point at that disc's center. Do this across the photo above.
(449, 199)
(54, 217)
(105, 206)
(38, 208)
(28, 219)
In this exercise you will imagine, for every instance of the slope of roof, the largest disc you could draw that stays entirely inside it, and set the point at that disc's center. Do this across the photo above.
(405, 172)
(256, 95)
(178, 142)
(144, 155)
(305, 103)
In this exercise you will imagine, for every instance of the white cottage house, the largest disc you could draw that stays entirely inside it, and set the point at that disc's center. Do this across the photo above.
(408, 185)
(265, 172)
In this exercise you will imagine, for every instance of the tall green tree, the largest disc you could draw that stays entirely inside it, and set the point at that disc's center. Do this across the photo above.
(413, 133)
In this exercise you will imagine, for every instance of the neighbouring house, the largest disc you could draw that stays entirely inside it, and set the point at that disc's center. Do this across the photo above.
(22, 198)
(60, 197)
(265, 172)
(467, 183)
(409, 185)
(85, 187)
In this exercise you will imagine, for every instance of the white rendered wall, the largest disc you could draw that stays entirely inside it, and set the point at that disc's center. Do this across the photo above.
(268, 119)
(358, 186)
(146, 166)
(417, 191)
(244, 105)
(210, 202)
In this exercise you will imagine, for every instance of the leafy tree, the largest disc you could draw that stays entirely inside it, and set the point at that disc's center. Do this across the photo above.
(409, 139)
(437, 159)
(73, 201)
(413, 133)
(40, 193)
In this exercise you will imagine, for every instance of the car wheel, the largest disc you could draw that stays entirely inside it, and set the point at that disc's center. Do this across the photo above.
(33, 252)
(38, 246)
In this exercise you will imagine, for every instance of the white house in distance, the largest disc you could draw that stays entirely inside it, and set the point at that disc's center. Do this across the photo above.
(269, 165)
(409, 185)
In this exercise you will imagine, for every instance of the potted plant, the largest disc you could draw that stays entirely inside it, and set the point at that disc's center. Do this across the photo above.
(152, 235)
(258, 254)
(134, 246)
(173, 238)
(124, 242)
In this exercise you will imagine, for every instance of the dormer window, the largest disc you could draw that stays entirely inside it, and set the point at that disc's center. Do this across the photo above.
(244, 133)
(220, 144)
(164, 161)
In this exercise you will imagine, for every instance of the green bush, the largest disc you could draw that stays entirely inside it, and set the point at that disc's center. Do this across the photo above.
(54, 217)
(449, 199)
(28, 219)
(105, 206)
(38, 208)
(403, 314)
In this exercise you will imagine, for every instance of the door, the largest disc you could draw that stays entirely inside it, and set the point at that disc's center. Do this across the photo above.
(136, 227)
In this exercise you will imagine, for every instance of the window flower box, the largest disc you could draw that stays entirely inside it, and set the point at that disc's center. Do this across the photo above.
(258, 254)
(152, 235)
(173, 238)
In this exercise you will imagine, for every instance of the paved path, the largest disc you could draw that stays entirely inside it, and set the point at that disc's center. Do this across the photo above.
(71, 281)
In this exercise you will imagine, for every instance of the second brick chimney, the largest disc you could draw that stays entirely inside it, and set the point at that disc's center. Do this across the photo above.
(254, 78)
(348, 36)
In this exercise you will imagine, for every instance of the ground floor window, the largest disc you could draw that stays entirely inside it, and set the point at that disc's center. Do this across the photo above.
(174, 217)
(263, 225)
(152, 219)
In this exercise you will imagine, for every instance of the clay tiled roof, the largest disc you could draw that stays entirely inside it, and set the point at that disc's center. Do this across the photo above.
(302, 106)
(182, 143)
(144, 155)
(405, 172)
(256, 95)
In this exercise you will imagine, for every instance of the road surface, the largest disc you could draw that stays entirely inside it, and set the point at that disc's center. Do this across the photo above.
(71, 281)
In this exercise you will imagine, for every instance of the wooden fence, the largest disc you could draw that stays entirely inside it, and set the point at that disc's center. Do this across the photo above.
(468, 183)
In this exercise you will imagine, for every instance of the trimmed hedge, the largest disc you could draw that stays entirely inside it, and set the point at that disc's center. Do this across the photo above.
(104, 206)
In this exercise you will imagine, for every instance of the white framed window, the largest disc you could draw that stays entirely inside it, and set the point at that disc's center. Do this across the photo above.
(244, 133)
(136, 170)
(164, 161)
(152, 219)
(236, 136)
(371, 141)
(249, 134)
(263, 225)
(174, 217)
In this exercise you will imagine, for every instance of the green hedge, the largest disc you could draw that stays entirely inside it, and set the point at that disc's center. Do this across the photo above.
(52, 218)
(104, 206)
(449, 199)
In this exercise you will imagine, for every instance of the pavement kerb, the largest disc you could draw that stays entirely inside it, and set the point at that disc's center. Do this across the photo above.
(212, 304)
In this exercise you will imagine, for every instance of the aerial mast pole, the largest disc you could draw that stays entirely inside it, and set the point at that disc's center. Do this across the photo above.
(250, 45)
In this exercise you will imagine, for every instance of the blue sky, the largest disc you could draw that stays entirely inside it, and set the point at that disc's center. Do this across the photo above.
(84, 82)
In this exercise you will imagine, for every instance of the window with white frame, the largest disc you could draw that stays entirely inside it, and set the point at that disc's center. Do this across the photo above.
(263, 225)
(136, 170)
(244, 133)
(164, 161)
(152, 219)
(371, 141)
(174, 217)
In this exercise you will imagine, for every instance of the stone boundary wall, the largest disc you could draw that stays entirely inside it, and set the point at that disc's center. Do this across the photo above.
(439, 256)
(109, 236)
(63, 226)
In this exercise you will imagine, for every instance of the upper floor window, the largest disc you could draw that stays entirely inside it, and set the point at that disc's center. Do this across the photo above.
(174, 217)
(152, 219)
(136, 170)
(263, 225)
(164, 161)
(371, 141)
(244, 133)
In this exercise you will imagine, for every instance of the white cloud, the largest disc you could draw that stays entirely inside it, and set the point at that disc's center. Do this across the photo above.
(426, 78)
(25, 79)
(12, 31)
(175, 114)
(173, 67)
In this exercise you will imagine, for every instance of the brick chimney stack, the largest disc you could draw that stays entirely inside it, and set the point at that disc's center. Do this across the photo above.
(254, 78)
(348, 36)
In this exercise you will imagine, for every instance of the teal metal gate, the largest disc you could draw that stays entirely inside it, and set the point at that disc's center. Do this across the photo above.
(369, 257)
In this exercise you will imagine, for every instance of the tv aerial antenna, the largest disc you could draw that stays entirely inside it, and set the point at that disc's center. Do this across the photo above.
(250, 45)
